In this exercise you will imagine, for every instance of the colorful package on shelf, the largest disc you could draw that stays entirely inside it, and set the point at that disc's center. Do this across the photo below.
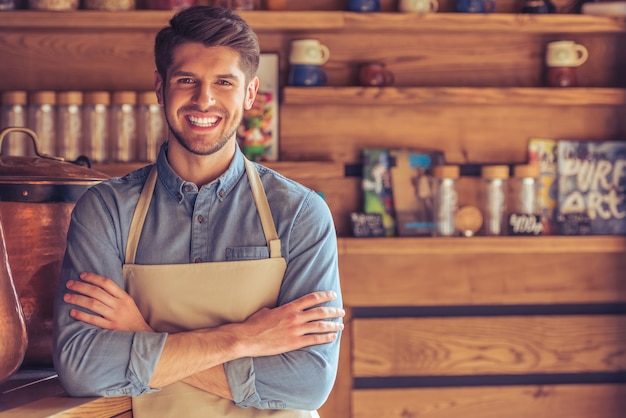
(411, 182)
(592, 187)
(376, 184)
(543, 151)
(258, 132)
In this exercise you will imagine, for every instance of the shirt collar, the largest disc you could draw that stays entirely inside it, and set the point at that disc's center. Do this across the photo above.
(222, 185)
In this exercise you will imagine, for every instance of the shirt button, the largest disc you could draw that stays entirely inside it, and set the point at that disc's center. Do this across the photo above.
(179, 196)
(187, 188)
(200, 218)
(222, 193)
(198, 260)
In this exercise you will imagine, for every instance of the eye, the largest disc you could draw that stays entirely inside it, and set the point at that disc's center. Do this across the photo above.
(224, 82)
(185, 80)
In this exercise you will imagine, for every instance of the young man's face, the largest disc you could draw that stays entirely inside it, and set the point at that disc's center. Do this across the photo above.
(204, 96)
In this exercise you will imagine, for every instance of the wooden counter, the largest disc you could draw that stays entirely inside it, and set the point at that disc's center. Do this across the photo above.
(39, 395)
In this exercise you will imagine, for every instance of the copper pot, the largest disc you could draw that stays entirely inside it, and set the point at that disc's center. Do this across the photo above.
(13, 338)
(37, 195)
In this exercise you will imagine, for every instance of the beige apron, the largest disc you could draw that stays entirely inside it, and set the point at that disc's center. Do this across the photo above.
(182, 297)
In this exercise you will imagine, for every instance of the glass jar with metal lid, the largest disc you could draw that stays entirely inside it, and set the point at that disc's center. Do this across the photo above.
(14, 112)
(96, 120)
(69, 124)
(151, 126)
(42, 119)
(493, 198)
(123, 134)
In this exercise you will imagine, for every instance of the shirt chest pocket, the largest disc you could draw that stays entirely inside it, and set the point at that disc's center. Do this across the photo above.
(246, 253)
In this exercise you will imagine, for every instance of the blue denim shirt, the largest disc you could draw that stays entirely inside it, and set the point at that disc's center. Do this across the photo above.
(94, 362)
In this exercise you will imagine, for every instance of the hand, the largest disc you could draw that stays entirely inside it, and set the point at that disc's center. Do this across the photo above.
(300, 323)
(114, 308)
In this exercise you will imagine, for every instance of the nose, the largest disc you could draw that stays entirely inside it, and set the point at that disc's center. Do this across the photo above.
(204, 96)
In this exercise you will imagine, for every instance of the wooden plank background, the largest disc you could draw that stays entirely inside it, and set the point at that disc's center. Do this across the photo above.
(542, 401)
(488, 345)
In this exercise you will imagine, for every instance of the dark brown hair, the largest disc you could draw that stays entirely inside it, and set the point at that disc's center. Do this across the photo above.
(210, 26)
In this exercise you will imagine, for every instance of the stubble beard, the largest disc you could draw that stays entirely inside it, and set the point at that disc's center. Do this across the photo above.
(200, 149)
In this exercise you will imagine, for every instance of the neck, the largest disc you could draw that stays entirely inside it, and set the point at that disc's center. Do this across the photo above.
(199, 169)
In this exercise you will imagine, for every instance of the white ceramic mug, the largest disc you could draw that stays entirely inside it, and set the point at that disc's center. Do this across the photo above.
(565, 54)
(418, 6)
(308, 52)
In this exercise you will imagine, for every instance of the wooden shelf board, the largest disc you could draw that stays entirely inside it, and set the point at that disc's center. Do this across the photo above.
(325, 20)
(477, 22)
(401, 96)
(483, 245)
(153, 20)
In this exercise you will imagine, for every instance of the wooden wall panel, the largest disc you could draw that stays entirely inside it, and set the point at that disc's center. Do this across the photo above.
(488, 345)
(482, 279)
(467, 134)
(558, 401)
(38, 60)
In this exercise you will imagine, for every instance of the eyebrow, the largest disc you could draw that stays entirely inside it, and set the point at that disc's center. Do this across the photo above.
(181, 73)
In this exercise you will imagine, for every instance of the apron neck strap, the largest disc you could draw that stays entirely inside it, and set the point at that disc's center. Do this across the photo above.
(263, 208)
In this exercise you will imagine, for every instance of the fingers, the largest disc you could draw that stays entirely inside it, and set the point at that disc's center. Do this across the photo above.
(102, 282)
(312, 299)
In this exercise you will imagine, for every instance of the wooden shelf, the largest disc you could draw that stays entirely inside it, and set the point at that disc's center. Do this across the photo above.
(326, 20)
(483, 245)
(401, 96)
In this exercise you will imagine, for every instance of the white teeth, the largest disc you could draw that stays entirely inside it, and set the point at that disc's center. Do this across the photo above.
(203, 122)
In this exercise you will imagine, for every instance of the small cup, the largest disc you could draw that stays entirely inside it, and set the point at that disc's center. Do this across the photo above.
(565, 54)
(308, 52)
(561, 77)
(375, 74)
(307, 76)
(475, 6)
(364, 5)
(418, 6)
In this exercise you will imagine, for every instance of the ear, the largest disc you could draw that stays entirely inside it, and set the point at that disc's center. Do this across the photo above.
(251, 91)
(158, 86)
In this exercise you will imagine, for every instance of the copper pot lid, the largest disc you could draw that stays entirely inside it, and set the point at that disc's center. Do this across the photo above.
(42, 178)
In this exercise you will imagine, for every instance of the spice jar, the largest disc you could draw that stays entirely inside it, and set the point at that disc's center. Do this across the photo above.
(14, 113)
(69, 124)
(493, 198)
(123, 126)
(525, 213)
(445, 199)
(42, 120)
(109, 5)
(96, 125)
(151, 126)
(56, 5)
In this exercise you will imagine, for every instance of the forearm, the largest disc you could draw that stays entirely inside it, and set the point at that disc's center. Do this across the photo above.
(212, 380)
(198, 356)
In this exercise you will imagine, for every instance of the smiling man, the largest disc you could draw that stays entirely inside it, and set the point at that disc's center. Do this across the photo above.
(204, 284)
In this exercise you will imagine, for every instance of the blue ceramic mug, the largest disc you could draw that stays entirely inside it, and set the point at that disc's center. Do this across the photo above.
(307, 75)
(475, 6)
(364, 5)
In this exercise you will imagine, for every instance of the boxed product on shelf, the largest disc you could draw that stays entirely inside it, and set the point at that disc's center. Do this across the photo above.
(376, 184)
(592, 187)
(411, 183)
(542, 151)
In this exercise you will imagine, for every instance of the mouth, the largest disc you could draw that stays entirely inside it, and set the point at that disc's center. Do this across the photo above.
(203, 122)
